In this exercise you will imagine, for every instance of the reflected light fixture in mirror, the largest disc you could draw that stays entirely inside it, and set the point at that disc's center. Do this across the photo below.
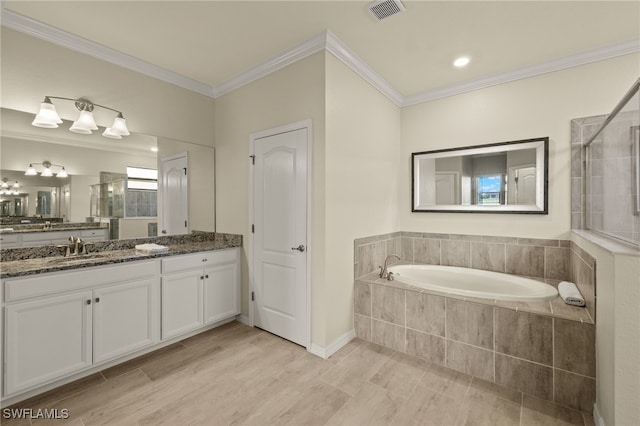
(48, 118)
(46, 172)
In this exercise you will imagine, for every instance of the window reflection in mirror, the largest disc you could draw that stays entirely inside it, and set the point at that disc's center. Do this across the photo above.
(509, 177)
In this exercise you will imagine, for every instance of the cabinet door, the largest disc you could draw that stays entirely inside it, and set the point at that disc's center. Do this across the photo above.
(125, 318)
(46, 339)
(181, 303)
(221, 292)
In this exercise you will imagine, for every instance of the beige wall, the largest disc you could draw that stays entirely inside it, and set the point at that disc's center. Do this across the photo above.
(362, 155)
(292, 94)
(539, 106)
(356, 132)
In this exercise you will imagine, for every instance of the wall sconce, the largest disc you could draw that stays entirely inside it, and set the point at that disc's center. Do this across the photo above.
(48, 118)
(46, 172)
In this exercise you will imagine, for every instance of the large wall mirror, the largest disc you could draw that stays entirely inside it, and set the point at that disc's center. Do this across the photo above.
(506, 177)
(102, 184)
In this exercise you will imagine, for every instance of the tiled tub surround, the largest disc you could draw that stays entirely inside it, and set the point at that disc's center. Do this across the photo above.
(545, 349)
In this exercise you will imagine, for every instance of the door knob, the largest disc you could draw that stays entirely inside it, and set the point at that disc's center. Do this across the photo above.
(300, 248)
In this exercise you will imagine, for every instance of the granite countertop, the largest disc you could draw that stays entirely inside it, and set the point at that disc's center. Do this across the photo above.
(37, 260)
(54, 227)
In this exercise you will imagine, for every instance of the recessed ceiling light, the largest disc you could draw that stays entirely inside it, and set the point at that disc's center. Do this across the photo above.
(462, 61)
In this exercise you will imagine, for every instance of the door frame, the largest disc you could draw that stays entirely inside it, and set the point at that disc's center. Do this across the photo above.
(299, 125)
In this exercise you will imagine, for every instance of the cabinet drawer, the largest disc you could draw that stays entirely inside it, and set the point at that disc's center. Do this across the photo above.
(197, 260)
(58, 282)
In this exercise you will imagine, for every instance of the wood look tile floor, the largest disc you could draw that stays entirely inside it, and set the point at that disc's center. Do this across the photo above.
(237, 375)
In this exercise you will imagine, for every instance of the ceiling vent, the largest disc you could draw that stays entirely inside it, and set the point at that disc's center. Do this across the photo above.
(382, 9)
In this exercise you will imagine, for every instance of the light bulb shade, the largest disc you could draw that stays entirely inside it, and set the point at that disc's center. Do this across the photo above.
(62, 173)
(16, 185)
(47, 117)
(4, 184)
(109, 133)
(46, 172)
(84, 124)
(30, 171)
(119, 126)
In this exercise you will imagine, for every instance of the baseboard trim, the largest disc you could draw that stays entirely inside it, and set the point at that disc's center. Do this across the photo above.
(597, 419)
(335, 346)
(243, 319)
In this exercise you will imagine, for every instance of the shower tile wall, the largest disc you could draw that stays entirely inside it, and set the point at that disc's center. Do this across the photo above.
(602, 185)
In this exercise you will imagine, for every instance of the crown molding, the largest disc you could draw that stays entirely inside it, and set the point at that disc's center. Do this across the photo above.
(23, 24)
(323, 41)
(340, 50)
(558, 64)
(288, 57)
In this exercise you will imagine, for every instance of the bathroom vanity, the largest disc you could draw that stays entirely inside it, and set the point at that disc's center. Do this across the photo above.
(67, 317)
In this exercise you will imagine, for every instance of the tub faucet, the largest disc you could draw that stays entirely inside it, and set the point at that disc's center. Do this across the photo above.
(383, 269)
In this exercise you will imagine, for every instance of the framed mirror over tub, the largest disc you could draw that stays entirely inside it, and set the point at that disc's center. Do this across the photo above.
(506, 177)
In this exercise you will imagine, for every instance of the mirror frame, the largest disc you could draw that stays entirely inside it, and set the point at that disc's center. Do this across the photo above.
(542, 177)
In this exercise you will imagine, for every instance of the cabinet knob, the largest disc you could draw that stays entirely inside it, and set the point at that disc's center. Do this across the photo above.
(201, 277)
(204, 260)
(97, 300)
(206, 276)
(88, 301)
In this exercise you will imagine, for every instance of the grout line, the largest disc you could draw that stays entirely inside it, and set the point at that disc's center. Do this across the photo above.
(553, 359)
(521, 407)
(494, 345)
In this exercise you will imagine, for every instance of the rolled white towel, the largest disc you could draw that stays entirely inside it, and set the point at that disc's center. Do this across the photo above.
(570, 294)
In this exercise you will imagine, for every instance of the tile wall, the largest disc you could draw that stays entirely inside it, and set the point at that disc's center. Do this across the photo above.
(546, 350)
(602, 187)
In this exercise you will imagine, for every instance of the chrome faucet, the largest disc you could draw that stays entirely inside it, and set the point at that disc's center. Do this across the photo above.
(77, 245)
(383, 269)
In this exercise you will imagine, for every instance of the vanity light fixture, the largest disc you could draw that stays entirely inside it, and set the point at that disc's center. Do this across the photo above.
(46, 172)
(48, 118)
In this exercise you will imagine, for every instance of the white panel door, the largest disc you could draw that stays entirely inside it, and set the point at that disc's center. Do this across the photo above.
(47, 339)
(522, 188)
(174, 195)
(125, 318)
(279, 244)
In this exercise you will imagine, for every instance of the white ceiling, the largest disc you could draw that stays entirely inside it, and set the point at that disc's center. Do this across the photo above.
(214, 41)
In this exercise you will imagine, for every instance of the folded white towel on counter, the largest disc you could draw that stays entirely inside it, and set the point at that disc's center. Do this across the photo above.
(570, 294)
(152, 248)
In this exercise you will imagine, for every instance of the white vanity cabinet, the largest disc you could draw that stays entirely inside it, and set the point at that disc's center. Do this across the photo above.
(199, 289)
(61, 323)
(47, 339)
